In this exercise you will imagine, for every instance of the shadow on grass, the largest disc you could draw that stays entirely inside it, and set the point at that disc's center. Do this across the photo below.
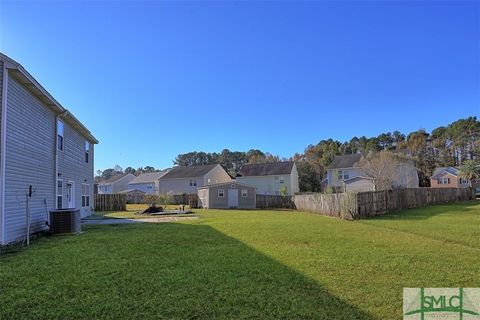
(429, 211)
(171, 271)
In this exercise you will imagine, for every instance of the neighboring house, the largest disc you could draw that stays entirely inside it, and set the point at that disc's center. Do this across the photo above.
(149, 183)
(115, 184)
(270, 178)
(227, 195)
(448, 177)
(345, 174)
(46, 155)
(188, 179)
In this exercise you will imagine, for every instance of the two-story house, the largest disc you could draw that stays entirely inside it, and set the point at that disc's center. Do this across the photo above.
(148, 183)
(115, 184)
(448, 177)
(188, 179)
(270, 178)
(345, 174)
(46, 155)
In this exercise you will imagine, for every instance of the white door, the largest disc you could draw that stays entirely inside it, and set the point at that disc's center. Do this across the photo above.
(70, 195)
(232, 198)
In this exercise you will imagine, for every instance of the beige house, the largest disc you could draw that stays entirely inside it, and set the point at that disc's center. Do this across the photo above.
(227, 195)
(188, 179)
(270, 178)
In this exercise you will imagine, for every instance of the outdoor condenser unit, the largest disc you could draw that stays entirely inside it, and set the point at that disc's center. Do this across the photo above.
(65, 221)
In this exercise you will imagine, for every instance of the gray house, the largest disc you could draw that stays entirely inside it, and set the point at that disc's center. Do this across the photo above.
(227, 195)
(46, 155)
(148, 183)
(345, 174)
(115, 184)
(188, 179)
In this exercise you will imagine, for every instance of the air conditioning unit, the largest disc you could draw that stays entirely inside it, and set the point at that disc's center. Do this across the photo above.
(65, 221)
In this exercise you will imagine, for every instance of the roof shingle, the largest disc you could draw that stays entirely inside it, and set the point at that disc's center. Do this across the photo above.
(189, 172)
(345, 161)
(266, 169)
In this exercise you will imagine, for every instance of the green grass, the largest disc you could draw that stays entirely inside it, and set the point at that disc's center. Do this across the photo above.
(244, 264)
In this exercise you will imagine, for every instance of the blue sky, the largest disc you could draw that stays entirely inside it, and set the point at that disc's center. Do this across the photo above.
(155, 79)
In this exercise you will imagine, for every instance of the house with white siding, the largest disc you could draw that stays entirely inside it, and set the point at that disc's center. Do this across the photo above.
(148, 183)
(345, 174)
(115, 184)
(188, 179)
(270, 178)
(46, 155)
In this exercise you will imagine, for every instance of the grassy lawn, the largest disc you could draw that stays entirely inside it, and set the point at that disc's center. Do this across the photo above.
(244, 264)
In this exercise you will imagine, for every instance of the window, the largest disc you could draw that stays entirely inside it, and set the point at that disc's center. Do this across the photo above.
(244, 193)
(343, 175)
(60, 135)
(59, 194)
(193, 183)
(340, 175)
(87, 150)
(85, 195)
(221, 193)
(276, 179)
(443, 180)
(282, 180)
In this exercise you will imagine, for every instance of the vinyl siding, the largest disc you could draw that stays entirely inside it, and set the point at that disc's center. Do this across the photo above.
(216, 202)
(29, 160)
(148, 187)
(267, 185)
(72, 167)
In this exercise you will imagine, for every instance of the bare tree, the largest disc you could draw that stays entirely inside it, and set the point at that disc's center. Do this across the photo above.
(381, 167)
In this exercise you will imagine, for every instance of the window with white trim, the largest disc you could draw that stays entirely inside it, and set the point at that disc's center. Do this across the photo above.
(221, 193)
(340, 175)
(87, 151)
(60, 135)
(343, 175)
(244, 193)
(59, 194)
(85, 195)
(282, 179)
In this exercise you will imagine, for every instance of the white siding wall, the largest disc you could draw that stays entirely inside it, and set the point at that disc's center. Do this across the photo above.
(73, 167)
(148, 188)
(122, 184)
(30, 134)
(332, 175)
(105, 189)
(268, 185)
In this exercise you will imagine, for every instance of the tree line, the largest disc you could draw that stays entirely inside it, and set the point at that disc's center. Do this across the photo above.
(449, 145)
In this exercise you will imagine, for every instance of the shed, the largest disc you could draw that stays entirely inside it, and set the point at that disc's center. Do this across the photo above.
(227, 195)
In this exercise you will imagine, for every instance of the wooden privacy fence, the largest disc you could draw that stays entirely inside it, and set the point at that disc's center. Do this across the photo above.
(269, 201)
(110, 202)
(368, 204)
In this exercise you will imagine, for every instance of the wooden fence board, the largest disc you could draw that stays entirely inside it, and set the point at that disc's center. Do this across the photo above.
(110, 202)
(273, 201)
(372, 203)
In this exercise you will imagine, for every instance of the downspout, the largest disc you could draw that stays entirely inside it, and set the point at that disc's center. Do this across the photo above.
(3, 139)
(61, 115)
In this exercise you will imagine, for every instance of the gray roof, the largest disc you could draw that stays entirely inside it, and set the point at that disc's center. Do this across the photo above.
(266, 169)
(441, 171)
(189, 172)
(345, 161)
(148, 177)
(114, 179)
